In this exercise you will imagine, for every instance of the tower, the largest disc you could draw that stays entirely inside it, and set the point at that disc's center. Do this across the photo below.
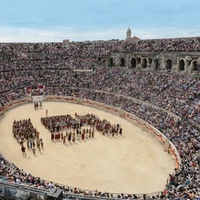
(128, 34)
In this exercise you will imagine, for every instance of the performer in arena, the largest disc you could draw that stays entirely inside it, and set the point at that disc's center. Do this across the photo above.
(83, 134)
(23, 150)
(69, 136)
(33, 149)
(73, 136)
(64, 139)
(40, 105)
(120, 131)
(41, 143)
(90, 133)
(52, 136)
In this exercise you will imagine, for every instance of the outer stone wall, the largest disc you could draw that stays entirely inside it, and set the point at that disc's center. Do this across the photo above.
(184, 63)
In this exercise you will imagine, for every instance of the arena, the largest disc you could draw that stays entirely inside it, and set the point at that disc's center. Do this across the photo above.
(166, 97)
(134, 162)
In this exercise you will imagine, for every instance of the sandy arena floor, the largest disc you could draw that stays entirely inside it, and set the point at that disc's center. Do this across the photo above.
(132, 163)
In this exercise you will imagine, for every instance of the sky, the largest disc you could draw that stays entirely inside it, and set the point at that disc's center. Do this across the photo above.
(89, 20)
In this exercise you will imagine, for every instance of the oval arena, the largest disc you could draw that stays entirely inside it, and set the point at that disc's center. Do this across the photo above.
(159, 88)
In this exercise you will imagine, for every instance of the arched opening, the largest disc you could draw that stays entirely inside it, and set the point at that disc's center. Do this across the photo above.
(181, 65)
(138, 61)
(111, 63)
(122, 62)
(195, 67)
(133, 63)
(144, 63)
(156, 64)
(169, 65)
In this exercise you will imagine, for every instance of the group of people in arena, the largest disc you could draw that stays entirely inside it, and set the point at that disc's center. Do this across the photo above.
(168, 101)
(67, 128)
(37, 105)
(27, 135)
(103, 126)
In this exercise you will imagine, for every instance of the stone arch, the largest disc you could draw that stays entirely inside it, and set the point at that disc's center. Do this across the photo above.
(169, 65)
(181, 65)
(111, 62)
(195, 66)
(144, 63)
(122, 62)
(133, 63)
(156, 64)
(150, 62)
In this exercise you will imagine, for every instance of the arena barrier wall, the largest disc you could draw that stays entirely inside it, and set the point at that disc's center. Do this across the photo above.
(14, 104)
(168, 146)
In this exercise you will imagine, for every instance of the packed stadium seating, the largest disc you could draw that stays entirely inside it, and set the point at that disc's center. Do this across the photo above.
(170, 102)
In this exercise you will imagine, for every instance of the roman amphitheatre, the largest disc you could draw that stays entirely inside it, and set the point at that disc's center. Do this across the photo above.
(134, 162)
(149, 87)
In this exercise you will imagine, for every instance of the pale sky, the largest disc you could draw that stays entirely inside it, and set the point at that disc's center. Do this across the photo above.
(80, 20)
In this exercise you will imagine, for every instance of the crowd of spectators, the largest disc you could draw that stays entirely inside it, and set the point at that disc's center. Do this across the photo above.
(83, 55)
(173, 45)
(169, 102)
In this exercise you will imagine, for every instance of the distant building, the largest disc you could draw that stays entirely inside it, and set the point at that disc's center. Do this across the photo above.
(66, 41)
(128, 35)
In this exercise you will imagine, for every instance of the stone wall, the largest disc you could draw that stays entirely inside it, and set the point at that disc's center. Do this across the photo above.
(184, 63)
